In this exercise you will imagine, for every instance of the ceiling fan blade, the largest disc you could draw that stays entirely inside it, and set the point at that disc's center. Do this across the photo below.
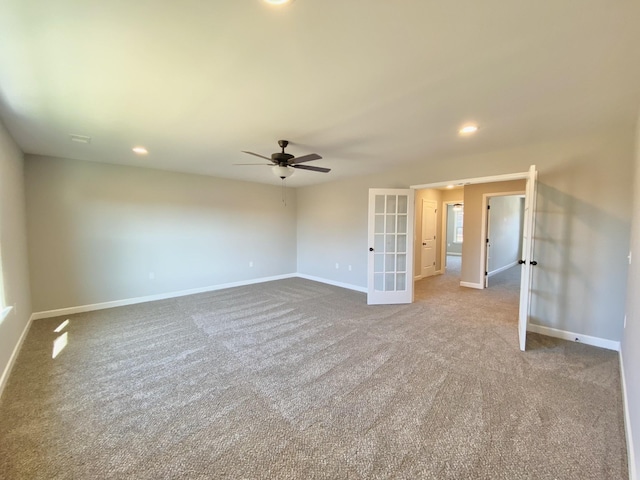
(305, 158)
(258, 155)
(313, 169)
(266, 164)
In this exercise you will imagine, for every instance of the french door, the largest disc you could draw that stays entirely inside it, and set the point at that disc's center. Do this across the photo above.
(390, 266)
(527, 261)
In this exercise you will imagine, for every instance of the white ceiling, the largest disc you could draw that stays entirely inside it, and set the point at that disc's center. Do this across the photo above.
(366, 84)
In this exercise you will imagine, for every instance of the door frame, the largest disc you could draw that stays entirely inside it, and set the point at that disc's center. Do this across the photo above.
(491, 179)
(484, 230)
(443, 242)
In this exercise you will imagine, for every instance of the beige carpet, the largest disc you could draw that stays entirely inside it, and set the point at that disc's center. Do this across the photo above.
(296, 379)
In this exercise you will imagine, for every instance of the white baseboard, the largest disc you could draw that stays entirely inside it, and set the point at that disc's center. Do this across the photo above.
(151, 298)
(502, 269)
(479, 286)
(631, 457)
(348, 286)
(575, 337)
(453, 254)
(14, 356)
(417, 277)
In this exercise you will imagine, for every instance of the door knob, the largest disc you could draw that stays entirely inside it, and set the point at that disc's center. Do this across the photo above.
(533, 262)
(520, 262)
(371, 249)
(424, 244)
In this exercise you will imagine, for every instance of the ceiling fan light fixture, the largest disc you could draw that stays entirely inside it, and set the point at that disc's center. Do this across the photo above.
(282, 172)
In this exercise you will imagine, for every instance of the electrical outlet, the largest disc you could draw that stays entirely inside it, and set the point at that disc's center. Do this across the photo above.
(625, 322)
(349, 267)
(337, 266)
(250, 263)
(152, 276)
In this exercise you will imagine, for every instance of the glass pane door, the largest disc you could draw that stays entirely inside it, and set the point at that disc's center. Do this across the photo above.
(390, 219)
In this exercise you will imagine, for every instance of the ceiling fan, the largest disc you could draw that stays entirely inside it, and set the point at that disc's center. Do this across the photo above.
(283, 163)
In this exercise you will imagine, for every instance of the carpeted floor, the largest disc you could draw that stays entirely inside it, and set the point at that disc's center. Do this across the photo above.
(296, 379)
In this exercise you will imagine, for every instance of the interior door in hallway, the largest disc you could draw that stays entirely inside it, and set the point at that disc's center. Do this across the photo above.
(428, 257)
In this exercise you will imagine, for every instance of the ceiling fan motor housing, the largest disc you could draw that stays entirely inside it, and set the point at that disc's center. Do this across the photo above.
(281, 159)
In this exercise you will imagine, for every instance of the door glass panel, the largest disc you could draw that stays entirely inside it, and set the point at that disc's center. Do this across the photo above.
(402, 203)
(401, 263)
(391, 204)
(402, 244)
(378, 281)
(402, 224)
(401, 281)
(378, 243)
(379, 224)
(391, 224)
(389, 263)
(390, 245)
(379, 204)
(389, 282)
(378, 262)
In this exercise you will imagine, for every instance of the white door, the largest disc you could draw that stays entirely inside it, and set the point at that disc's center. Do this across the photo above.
(428, 256)
(487, 244)
(527, 260)
(390, 268)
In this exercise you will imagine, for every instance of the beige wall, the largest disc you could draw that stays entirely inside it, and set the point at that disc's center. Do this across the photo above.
(584, 196)
(631, 336)
(13, 244)
(472, 271)
(97, 232)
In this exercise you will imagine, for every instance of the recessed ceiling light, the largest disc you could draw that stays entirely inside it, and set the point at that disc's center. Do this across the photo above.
(278, 2)
(468, 129)
(140, 150)
(79, 138)
(449, 186)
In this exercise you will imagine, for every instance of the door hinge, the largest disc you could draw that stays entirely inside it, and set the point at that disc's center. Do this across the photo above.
(486, 273)
(488, 207)
(487, 240)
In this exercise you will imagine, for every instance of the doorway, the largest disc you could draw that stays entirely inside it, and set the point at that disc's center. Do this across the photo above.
(452, 236)
(502, 235)
(527, 261)
(428, 251)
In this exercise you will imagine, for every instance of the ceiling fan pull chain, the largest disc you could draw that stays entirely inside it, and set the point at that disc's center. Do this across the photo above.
(284, 191)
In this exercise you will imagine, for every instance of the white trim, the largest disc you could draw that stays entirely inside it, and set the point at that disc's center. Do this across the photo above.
(479, 286)
(14, 356)
(575, 337)
(502, 269)
(452, 254)
(471, 181)
(417, 277)
(440, 272)
(348, 286)
(631, 458)
(151, 298)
